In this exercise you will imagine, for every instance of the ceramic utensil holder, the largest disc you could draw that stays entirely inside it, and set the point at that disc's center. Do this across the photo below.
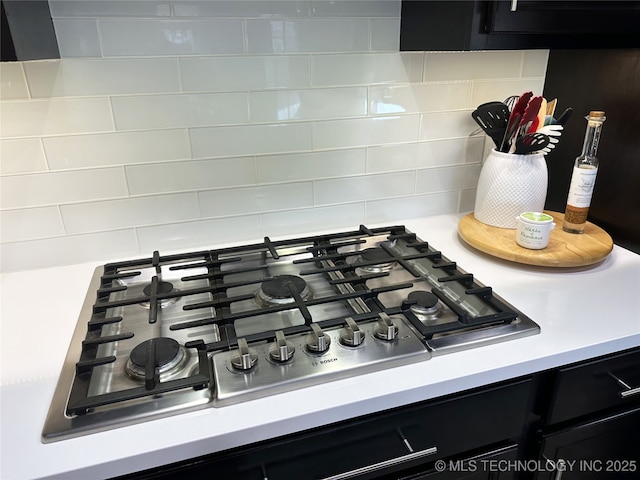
(510, 184)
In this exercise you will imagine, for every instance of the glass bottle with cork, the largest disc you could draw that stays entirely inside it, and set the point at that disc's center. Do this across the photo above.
(583, 178)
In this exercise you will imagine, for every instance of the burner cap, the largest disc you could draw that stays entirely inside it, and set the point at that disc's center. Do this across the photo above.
(423, 302)
(163, 287)
(278, 290)
(166, 350)
(280, 286)
(376, 254)
(375, 260)
(169, 356)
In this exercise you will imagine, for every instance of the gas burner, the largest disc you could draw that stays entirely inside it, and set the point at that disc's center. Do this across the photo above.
(376, 254)
(280, 289)
(163, 287)
(170, 356)
(424, 304)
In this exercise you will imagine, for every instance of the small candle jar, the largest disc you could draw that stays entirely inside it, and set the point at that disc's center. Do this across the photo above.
(533, 229)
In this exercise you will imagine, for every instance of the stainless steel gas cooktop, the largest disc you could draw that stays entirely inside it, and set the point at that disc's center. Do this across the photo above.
(167, 334)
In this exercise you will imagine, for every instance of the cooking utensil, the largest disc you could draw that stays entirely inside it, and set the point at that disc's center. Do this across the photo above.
(511, 101)
(539, 120)
(551, 107)
(530, 113)
(492, 118)
(516, 111)
(531, 142)
(514, 121)
(564, 117)
(554, 132)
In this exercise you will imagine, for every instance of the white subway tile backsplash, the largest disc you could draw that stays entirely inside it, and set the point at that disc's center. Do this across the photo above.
(110, 8)
(436, 97)
(85, 77)
(77, 37)
(306, 166)
(250, 139)
(192, 175)
(385, 34)
(366, 187)
(30, 224)
(441, 125)
(424, 154)
(447, 178)
(366, 69)
(244, 9)
(120, 148)
(185, 110)
(137, 37)
(228, 74)
(187, 124)
(61, 187)
(534, 63)
(129, 212)
(313, 104)
(55, 116)
(304, 36)
(13, 84)
(355, 8)
(467, 200)
(307, 220)
(394, 209)
(67, 250)
(22, 155)
(440, 66)
(365, 131)
(203, 233)
(239, 201)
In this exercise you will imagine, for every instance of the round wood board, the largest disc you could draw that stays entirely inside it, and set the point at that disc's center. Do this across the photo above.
(564, 249)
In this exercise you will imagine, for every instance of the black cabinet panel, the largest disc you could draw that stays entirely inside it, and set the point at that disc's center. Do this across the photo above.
(594, 386)
(490, 25)
(606, 80)
(602, 449)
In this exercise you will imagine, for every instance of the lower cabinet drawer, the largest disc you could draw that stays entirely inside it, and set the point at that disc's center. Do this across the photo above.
(407, 439)
(403, 439)
(597, 385)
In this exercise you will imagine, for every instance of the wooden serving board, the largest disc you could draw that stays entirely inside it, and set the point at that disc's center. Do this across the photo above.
(564, 249)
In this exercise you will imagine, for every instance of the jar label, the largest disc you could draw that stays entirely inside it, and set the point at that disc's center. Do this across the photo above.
(581, 188)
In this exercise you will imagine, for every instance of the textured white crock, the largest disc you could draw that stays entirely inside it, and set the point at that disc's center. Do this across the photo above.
(510, 184)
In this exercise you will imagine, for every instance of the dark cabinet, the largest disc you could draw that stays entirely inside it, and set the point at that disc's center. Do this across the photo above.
(518, 24)
(607, 447)
(586, 415)
(590, 430)
(402, 443)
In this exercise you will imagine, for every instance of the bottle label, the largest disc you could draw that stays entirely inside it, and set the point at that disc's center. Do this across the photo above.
(581, 188)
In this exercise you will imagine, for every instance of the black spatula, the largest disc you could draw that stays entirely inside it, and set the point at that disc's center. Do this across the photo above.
(492, 118)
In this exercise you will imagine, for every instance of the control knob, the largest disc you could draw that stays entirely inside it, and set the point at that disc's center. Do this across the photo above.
(351, 336)
(318, 341)
(385, 329)
(281, 350)
(245, 358)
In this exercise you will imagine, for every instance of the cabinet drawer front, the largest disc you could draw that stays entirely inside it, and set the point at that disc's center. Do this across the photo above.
(444, 428)
(597, 385)
(606, 448)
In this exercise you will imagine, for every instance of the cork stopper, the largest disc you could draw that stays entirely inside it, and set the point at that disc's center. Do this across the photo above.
(596, 114)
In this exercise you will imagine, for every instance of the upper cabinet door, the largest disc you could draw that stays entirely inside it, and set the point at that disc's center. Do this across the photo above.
(519, 24)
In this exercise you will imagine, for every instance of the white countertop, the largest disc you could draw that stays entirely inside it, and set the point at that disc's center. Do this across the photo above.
(583, 313)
